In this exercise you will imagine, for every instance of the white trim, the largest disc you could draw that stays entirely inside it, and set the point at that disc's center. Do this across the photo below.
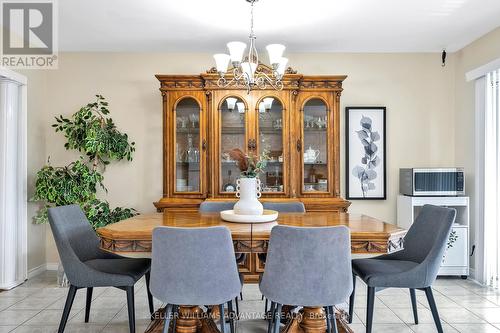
(480, 99)
(36, 271)
(14, 76)
(52, 266)
(482, 70)
(13, 227)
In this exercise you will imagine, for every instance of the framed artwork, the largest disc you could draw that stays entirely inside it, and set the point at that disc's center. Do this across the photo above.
(365, 153)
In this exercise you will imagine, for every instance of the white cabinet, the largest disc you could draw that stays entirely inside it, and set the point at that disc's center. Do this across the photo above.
(456, 259)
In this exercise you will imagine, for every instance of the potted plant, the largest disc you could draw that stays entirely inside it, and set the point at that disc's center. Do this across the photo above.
(93, 133)
(248, 185)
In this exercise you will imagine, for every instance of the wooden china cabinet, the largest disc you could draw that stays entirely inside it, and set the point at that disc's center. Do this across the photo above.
(299, 126)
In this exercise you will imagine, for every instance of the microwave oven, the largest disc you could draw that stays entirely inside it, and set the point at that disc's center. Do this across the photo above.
(432, 181)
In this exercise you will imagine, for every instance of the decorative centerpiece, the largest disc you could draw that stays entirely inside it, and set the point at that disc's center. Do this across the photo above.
(248, 189)
(248, 185)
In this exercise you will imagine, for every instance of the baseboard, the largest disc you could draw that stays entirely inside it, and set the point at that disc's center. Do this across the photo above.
(50, 266)
(36, 271)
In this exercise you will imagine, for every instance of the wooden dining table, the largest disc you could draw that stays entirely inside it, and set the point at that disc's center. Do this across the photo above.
(132, 238)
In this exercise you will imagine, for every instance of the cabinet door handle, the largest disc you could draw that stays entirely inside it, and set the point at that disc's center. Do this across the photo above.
(204, 144)
(299, 145)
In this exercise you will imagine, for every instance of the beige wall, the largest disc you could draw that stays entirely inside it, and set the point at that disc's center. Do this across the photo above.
(416, 90)
(476, 54)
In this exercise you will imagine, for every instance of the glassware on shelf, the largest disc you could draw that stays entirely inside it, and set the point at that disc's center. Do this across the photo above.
(229, 185)
(192, 153)
(179, 153)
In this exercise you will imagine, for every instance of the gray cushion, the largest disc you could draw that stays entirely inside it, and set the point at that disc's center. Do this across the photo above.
(376, 272)
(128, 270)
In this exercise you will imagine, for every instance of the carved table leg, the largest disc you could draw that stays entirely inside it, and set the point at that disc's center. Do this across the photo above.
(191, 319)
(313, 320)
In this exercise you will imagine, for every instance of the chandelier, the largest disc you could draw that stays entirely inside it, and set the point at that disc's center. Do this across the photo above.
(246, 70)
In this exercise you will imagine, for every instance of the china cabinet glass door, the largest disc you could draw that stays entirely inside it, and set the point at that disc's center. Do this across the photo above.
(233, 115)
(315, 146)
(270, 136)
(187, 146)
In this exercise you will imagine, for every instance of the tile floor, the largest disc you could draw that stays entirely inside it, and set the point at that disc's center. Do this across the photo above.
(36, 306)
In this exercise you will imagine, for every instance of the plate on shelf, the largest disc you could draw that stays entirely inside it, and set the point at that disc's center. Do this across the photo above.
(267, 216)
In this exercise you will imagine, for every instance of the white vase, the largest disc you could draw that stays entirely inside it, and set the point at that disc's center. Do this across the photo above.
(248, 191)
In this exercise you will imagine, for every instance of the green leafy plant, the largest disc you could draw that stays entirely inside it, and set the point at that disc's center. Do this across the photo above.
(92, 133)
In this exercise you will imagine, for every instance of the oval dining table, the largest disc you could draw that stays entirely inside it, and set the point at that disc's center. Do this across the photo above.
(132, 238)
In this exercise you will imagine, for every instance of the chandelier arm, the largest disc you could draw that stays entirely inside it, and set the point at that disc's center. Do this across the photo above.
(278, 84)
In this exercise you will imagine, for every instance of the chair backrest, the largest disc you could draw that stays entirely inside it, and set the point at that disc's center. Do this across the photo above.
(215, 206)
(194, 266)
(75, 239)
(427, 238)
(308, 266)
(285, 207)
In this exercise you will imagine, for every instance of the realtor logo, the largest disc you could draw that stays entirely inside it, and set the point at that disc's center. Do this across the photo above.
(29, 34)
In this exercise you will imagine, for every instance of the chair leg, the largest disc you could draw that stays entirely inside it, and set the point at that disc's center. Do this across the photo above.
(231, 315)
(237, 307)
(277, 318)
(351, 299)
(265, 306)
(67, 308)
(87, 304)
(327, 312)
(271, 319)
(432, 304)
(333, 320)
(413, 298)
(369, 309)
(241, 295)
(222, 319)
(175, 314)
(150, 297)
(131, 308)
(168, 314)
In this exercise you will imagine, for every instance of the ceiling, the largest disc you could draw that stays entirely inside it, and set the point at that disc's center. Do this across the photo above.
(303, 26)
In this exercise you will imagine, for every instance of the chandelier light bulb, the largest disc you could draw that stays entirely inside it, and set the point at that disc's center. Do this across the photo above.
(221, 62)
(249, 69)
(282, 66)
(275, 52)
(236, 50)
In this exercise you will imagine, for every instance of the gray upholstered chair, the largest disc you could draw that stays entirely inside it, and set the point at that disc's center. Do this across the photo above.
(414, 267)
(282, 207)
(285, 207)
(219, 206)
(215, 206)
(307, 267)
(199, 269)
(86, 266)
